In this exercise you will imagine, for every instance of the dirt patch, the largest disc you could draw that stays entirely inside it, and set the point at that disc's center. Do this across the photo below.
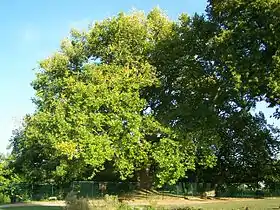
(180, 201)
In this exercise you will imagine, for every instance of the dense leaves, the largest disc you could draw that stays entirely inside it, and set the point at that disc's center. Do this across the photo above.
(247, 45)
(158, 99)
(90, 108)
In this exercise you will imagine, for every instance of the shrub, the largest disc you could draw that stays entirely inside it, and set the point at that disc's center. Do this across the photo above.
(78, 204)
(108, 203)
(4, 198)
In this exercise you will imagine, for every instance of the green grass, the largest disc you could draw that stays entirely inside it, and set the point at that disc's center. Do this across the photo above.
(33, 208)
(257, 204)
(254, 204)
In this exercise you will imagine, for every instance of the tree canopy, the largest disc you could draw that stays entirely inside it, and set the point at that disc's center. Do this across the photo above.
(158, 99)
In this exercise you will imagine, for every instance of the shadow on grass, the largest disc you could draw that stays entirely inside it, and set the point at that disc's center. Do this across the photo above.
(31, 206)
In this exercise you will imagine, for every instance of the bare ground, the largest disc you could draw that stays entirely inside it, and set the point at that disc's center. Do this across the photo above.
(181, 201)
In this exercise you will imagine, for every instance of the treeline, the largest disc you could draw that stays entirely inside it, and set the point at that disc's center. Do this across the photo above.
(142, 97)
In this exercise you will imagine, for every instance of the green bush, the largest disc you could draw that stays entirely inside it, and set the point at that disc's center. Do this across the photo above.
(4, 198)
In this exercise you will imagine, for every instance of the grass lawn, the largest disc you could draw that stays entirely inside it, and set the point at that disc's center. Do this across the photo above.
(33, 208)
(242, 204)
(257, 204)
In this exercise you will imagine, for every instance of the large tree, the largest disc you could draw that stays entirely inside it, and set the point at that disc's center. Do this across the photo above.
(91, 108)
(155, 98)
(247, 44)
(200, 92)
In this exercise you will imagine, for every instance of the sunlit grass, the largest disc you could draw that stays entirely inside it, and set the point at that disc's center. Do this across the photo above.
(33, 208)
(256, 204)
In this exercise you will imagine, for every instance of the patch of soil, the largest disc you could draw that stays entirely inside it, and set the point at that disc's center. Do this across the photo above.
(180, 201)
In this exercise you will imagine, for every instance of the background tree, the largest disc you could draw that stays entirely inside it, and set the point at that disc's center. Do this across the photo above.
(199, 94)
(8, 179)
(247, 46)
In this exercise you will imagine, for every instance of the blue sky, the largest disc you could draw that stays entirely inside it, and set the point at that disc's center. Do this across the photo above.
(31, 30)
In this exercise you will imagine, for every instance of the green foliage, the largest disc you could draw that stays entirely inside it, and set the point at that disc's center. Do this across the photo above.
(8, 180)
(204, 93)
(3, 172)
(91, 109)
(247, 45)
(148, 95)
(4, 198)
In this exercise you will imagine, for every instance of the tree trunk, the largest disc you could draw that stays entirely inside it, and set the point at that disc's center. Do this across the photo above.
(145, 179)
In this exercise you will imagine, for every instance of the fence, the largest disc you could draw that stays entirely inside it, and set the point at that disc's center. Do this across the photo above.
(24, 191)
(98, 189)
(187, 189)
(241, 190)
